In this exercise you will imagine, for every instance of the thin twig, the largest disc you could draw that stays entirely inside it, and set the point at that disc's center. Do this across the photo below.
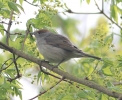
(105, 14)
(30, 3)
(47, 89)
(9, 26)
(22, 47)
(18, 75)
(8, 65)
(54, 75)
(27, 32)
(117, 83)
(8, 29)
(98, 6)
(101, 12)
(3, 22)
(15, 63)
(93, 70)
(58, 77)
(16, 33)
(112, 21)
(4, 63)
(70, 11)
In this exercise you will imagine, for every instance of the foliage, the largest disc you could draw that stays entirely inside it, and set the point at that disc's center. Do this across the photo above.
(99, 42)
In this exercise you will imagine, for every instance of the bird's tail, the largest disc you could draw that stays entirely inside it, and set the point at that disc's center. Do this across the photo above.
(91, 56)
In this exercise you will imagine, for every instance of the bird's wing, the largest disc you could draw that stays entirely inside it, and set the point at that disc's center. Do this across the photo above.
(61, 42)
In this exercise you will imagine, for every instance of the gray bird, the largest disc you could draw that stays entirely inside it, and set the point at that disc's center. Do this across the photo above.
(57, 48)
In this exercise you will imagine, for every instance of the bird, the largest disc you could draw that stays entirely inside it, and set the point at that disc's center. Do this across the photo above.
(57, 48)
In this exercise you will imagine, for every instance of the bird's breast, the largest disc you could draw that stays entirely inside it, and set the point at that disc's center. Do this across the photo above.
(51, 53)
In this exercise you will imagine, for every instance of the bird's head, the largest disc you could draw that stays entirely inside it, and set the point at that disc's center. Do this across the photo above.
(40, 33)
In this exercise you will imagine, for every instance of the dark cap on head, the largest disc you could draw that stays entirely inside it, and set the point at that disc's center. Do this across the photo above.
(42, 31)
(39, 31)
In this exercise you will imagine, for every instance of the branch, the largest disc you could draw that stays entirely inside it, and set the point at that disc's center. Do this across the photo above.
(105, 14)
(117, 83)
(98, 6)
(6, 62)
(101, 12)
(30, 3)
(47, 89)
(8, 65)
(9, 26)
(22, 47)
(3, 22)
(70, 11)
(15, 63)
(94, 69)
(62, 73)
(8, 29)
(45, 72)
(27, 32)
(16, 33)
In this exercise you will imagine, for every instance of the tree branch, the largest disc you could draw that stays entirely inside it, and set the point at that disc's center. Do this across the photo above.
(45, 72)
(70, 11)
(62, 73)
(4, 22)
(27, 32)
(8, 65)
(30, 3)
(100, 12)
(8, 29)
(15, 63)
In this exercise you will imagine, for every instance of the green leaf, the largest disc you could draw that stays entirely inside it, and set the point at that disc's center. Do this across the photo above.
(21, 1)
(107, 70)
(5, 13)
(109, 84)
(42, 1)
(103, 97)
(2, 29)
(107, 61)
(67, 97)
(34, 1)
(1, 5)
(39, 76)
(38, 23)
(20, 7)
(114, 13)
(119, 10)
(18, 92)
(13, 6)
(118, 1)
(30, 21)
(82, 94)
(108, 39)
(66, 5)
(88, 1)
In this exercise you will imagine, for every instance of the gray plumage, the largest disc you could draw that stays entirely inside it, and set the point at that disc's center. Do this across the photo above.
(57, 48)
